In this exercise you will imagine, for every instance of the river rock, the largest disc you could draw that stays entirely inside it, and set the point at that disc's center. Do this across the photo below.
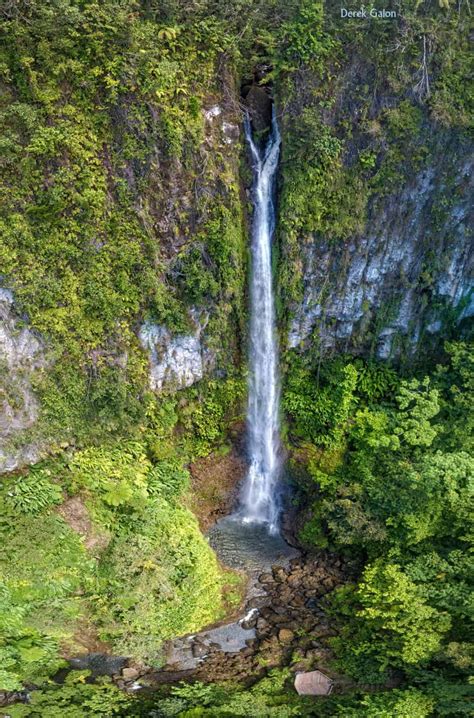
(99, 664)
(285, 635)
(294, 580)
(130, 674)
(279, 574)
(275, 618)
(298, 601)
(313, 683)
(199, 650)
(310, 582)
(250, 622)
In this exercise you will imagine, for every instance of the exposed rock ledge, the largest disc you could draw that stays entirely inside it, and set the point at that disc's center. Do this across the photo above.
(21, 355)
(176, 361)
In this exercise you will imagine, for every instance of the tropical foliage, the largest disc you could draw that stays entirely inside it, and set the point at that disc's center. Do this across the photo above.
(119, 205)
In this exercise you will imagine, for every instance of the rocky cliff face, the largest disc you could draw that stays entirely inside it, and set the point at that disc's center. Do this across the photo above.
(178, 359)
(136, 280)
(376, 252)
(401, 280)
(21, 357)
(193, 216)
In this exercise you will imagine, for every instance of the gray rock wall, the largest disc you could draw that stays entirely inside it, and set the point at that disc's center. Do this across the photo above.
(176, 361)
(21, 355)
(405, 278)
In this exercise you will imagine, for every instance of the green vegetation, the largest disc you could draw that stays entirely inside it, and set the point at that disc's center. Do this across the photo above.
(388, 474)
(121, 203)
(101, 112)
(125, 557)
(77, 698)
(270, 698)
(364, 106)
(102, 118)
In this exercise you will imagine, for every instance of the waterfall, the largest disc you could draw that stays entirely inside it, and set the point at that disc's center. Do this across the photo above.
(259, 497)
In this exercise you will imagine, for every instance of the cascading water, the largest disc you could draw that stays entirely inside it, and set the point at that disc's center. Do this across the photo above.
(259, 498)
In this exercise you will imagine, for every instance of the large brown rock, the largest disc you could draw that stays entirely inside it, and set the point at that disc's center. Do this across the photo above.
(285, 635)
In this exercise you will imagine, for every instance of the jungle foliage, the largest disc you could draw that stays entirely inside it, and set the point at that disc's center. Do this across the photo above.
(386, 464)
(106, 546)
(114, 211)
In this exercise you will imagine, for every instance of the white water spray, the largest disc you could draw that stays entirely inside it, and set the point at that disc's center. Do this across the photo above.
(259, 499)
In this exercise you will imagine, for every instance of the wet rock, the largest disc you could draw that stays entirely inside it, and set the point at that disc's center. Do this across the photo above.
(313, 654)
(247, 651)
(298, 600)
(275, 618)
(130, 674)
(249, 623)
(279, 574)
(257, 602)
(308, 623)
(259, 104)
(286, 595)
(9, 697)
(285, 635)
(294, 580)
(310, 582)
(269, 643)
(200, 650)
(266, 578)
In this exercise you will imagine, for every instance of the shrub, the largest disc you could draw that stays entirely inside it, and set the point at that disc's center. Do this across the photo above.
(33, 493)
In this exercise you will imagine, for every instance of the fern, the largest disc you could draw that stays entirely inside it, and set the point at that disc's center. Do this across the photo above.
(34, 493)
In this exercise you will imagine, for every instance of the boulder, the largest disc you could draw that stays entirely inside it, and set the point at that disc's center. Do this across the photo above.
(313, 683)
(99, 664)
(285, 635)
(130, 674)
(199, 650)
(279, 574)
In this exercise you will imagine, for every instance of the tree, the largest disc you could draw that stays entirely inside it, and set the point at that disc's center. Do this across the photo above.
(393, 625)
